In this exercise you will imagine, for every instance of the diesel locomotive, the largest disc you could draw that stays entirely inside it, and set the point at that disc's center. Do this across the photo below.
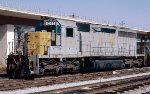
(66, 45)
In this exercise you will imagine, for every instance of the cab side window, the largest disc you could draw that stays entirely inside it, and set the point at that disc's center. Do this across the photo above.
(69, 32)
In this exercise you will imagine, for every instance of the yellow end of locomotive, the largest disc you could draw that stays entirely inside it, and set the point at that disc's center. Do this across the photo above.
(37, 42)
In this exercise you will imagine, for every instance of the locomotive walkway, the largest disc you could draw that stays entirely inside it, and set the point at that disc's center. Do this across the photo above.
(79, 82)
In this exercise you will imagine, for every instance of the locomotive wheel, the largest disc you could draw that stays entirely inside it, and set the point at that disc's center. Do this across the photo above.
(11, 69)
(41, 71)
(59, 71)
(71, 70)
(17, 71)
(123, 66)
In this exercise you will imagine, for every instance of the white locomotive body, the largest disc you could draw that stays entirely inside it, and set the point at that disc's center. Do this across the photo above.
(60, 46)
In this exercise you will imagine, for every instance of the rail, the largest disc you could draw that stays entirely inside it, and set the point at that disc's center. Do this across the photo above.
(21, 85)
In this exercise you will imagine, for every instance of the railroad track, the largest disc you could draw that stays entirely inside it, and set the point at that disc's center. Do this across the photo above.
(110, 87)
(14, 84)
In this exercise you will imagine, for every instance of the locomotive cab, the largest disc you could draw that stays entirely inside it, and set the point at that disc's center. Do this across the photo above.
(50, 25)
(47, 34)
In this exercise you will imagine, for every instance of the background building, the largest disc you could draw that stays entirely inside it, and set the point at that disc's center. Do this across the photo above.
(12, 24)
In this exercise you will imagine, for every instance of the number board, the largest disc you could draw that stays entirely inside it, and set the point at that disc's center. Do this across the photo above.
(50, 22)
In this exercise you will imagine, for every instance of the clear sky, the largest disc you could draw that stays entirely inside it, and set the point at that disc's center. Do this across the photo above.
(133, 12)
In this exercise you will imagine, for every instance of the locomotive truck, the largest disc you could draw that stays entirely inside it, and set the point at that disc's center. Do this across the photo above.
(67, 45)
